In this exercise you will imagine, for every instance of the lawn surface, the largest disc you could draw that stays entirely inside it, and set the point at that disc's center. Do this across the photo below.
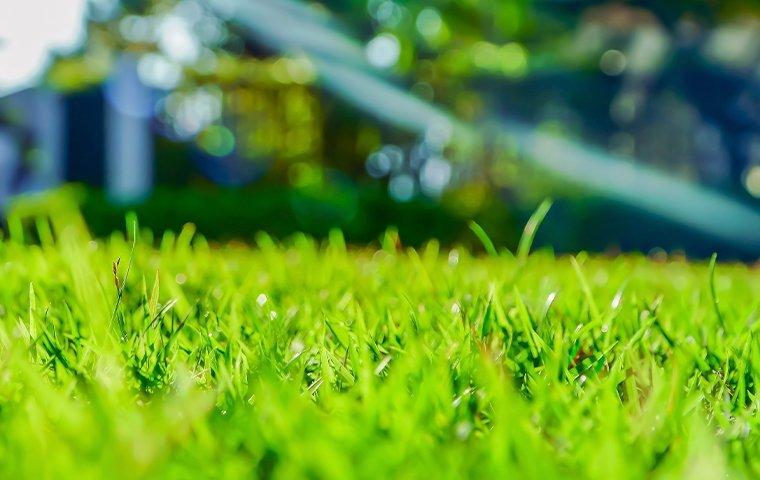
(311, 360)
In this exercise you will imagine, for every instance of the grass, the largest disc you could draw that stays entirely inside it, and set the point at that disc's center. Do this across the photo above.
(165, 356)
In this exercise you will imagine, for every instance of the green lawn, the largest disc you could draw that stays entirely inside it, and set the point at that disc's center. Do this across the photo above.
(313, 360)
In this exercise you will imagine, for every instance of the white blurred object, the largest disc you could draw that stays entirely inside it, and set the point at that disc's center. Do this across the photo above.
(31, 31)
(734, 45)
(435, 176)
(177, 40)
(383, 51)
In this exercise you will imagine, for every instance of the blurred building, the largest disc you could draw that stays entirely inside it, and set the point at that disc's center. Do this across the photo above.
(101, 136)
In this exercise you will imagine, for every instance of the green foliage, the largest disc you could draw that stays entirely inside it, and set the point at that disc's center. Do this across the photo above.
(362, 212)
(173, 357)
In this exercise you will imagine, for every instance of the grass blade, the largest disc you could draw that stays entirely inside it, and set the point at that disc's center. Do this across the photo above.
(484, 239)
(529, 232)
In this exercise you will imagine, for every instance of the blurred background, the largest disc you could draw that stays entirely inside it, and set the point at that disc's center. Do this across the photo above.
(640, 119)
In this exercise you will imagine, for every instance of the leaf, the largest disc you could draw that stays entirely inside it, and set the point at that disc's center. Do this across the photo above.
(32, 308)
(153, 301)
(484, 239)
(529, 232)
(713, 293)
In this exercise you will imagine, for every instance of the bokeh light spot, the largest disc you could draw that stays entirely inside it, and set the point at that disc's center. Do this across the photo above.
(383, 51)
(429, 22)
(157, 71)
(435, 176)
(514, 59)
(401, 187)
(217, 140)
(752, 180)
(612, 62)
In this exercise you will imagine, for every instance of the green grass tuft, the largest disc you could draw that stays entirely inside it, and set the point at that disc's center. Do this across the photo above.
(307, 360)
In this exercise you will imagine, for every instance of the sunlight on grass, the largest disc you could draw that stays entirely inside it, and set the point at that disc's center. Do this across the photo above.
(301, 359)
